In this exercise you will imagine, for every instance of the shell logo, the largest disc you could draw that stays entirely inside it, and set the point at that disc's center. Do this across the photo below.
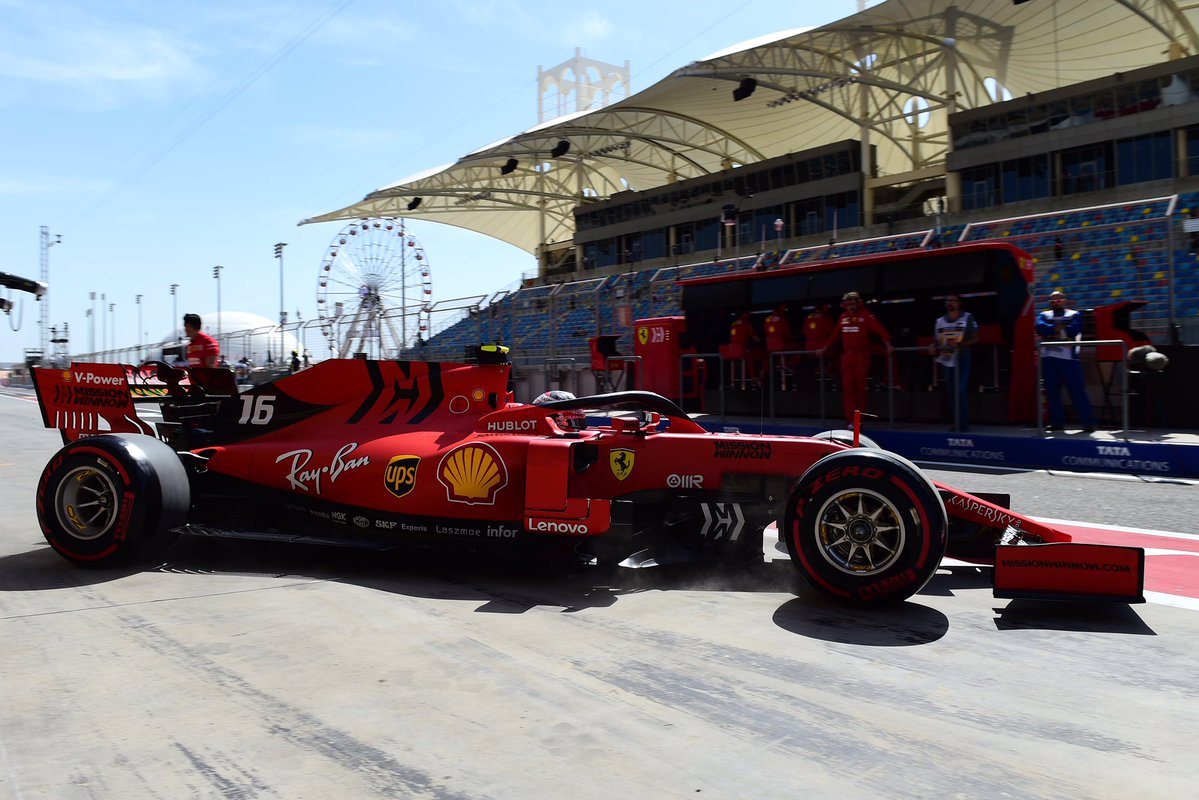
(66, 375)
(473, 474)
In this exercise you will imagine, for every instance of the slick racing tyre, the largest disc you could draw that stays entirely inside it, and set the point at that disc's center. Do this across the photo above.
(865, 527)
(102, 500)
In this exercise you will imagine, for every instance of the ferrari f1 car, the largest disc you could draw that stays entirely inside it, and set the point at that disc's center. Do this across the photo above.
(396, 453)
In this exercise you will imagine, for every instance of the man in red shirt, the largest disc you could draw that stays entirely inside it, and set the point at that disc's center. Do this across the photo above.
(203, 350)
(853, 331)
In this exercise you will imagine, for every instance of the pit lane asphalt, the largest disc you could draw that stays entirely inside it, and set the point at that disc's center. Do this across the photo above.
(244, 670)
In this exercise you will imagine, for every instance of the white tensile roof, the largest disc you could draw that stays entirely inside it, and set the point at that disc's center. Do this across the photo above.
(858, 78)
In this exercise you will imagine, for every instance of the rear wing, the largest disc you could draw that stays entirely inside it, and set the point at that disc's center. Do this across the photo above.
(87, 399)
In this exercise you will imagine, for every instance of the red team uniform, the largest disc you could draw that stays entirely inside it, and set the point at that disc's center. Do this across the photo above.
(853, 331)
(200, 348)
(747, 344)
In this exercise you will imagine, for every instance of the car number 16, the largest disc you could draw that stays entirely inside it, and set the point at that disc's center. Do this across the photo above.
(257, 409)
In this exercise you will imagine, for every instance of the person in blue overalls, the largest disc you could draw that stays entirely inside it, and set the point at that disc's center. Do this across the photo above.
(1060, 365)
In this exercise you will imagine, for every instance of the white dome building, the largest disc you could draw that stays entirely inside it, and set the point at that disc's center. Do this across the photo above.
(244, 334)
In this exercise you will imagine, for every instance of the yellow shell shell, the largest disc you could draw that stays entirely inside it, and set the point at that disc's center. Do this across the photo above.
(473, 474)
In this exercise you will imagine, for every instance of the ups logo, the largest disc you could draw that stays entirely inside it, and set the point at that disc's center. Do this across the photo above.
(400, 475)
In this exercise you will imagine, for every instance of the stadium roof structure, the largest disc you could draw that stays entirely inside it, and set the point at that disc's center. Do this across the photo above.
(888, 76)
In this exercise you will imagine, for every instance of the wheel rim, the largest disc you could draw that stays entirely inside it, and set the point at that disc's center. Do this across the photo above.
(860, 532)
(86, 503)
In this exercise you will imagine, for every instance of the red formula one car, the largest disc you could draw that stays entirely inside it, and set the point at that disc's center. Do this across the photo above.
(395, 453)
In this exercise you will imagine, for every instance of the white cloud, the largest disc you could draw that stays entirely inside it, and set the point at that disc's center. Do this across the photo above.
(65, 56)
(51, 185)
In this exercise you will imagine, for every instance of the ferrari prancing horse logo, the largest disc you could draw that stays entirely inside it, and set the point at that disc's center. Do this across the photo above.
(621, 461)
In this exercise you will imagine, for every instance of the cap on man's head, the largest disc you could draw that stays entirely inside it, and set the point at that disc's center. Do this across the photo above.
(848, 296)
(1057, 294)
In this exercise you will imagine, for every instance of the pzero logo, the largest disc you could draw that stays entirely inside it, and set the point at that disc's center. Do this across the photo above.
(400, 475)
(621, 461)
(472, 474)
(685, 481)
(747, 450)
(301, 479)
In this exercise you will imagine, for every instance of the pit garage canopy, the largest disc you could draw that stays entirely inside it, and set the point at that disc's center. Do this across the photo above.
(887, 76)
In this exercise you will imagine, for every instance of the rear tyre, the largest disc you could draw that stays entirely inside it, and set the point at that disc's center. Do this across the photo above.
(105, 499)
(865, 527)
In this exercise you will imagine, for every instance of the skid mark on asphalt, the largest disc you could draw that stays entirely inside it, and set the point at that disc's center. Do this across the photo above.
(377, 768)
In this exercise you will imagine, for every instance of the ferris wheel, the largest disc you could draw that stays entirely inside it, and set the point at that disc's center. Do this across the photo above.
(374, 290)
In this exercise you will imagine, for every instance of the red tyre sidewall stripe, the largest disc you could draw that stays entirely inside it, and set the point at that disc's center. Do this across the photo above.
(809, 571)
(928, 531)
(108, 458)
(124, 513)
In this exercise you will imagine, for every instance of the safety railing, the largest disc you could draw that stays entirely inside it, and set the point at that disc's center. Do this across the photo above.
(823, 385)
(683, 359)
(550, 369)
(610, 385)
(782, 355)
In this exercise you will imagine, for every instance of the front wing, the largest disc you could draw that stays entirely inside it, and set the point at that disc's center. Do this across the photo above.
(1039, 562)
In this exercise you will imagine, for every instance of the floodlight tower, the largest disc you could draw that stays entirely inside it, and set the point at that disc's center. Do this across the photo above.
(216, 273)
(43, 319)
(282, 313)
(175, 309)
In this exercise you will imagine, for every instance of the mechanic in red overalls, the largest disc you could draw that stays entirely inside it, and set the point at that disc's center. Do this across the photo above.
(853, 331)
(202, 349)
(817, 327)
(749, 344)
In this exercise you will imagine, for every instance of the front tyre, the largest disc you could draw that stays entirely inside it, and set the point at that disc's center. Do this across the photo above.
(865, 527)
(102, 500)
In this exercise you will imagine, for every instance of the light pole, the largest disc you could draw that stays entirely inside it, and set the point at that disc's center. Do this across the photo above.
(112, 316)
(44, 315)
(103, 323)
(282, 313)
(91, 312)
(216, 273)
(175, 310)
(140, 353)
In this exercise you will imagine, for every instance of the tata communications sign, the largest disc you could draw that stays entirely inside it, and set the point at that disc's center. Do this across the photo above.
(1076, 454)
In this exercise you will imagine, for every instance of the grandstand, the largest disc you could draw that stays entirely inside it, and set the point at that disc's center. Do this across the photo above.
(922, 126)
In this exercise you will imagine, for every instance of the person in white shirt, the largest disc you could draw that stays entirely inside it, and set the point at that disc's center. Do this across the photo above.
(955, 333)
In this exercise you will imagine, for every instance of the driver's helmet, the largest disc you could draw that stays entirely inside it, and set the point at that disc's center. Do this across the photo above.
(568, 418)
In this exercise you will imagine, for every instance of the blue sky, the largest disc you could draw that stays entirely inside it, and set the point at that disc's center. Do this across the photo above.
(162, 138)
